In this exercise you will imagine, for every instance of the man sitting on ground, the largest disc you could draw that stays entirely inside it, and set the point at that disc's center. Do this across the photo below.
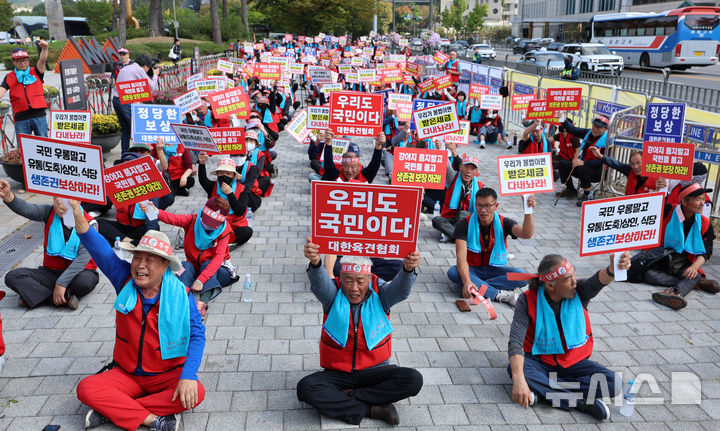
(459, 196)
(636, 183)
(351, 170)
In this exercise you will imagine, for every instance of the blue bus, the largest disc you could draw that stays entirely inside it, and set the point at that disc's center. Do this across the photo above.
(678, 38)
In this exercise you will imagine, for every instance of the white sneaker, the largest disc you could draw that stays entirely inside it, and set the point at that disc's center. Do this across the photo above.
(509, 297)
(510, 256)
(443, 238)
(508, 145)
(94, 214)
(482, 144)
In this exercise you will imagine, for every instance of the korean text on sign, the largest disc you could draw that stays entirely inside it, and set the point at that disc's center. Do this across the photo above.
(668, 160)
(520, 102)
(664, 122)
(229, 102)
(150, 122)
(189, 101)
(75, 126)
(298, 126)
(318, 117)
(134, 91)
(365, 219)
(268, 71)
(461, 137)
(525, 174)
(436, 120)
(356, 114)
(538, 110)
(419, 167)
(624, 223)
(229, 140)
(564, 99)
(68, 170)
(196, 138)
(134, 181)
(477, 90)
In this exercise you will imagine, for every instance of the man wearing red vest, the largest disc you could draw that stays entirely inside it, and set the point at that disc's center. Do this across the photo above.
(351, 169)
(67, 271)
(452, 67)
(636, 183)
(534, 141)
(358, 380)
(551, 339)
(26, 91)
(159, 338)
(459, 195)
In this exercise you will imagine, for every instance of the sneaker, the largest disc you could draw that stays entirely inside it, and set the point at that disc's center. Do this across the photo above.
(508, 145)
(672, 300)
(386, 413)
(94, 214)
(509, 297)
(707, 285)
(72, 302)
(599, 410)
(567, 193)
(443, 238)
(167, 423)
(533, 398)
(482, 144)
(94, 419)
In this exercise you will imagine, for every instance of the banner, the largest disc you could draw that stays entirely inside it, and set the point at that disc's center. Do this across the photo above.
(134, 91)
(623, 223)
(229, 140)
(196, 138)
(298, 126)
(72, 82)
(134, 181)
(365, 219)
(397, 97)
(64, 169)
(229, 102)
(150, 122)
(356, 114)
(462, 136)
(206, 87)
(268, 71)
(491, 102)
(442, 82)
(404, 111)
(668, 160)
(440, 58)
(524, 174)
(318, 117)
(225, 66)
(189, 101)
(664, 122)
(419, 167)
(564, 99)
(436, 120)
(521, 102)
(477, 90)
(74, 126)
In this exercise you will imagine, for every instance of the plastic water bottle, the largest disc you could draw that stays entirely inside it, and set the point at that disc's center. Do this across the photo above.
(247, 285)
(436, 209)
(628, 406)
(249, 217)
(119, 252)
(591, 195)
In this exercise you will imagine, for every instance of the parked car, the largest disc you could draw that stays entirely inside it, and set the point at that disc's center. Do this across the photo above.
(444, 42)
(555, 46)
(454, 47)
(485, 51)
(594, 57)
(463, 43)
(546, 41)
(416, 42)
(524, 46)
(548, 59)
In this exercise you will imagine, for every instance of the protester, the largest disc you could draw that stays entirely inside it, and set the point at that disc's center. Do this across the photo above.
(533, 139)
(459, 196)
(67, 271)
(699, 176)
(551, 340)
(27, 97)
(491, 130)
(158, 349)
(351, 169)
(176, 51)
(180, 168)
(636, 183)
(141, 68)
(358, 380)
(122, 61)
(452, 67)
(565, 146)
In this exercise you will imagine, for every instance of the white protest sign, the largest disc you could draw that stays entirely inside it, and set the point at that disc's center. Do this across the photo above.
(206, 87)
(329, 88)
(318, 117)
(196, 138)
(461, 137)
(75, 126)
(284, 63)
(296, 68)
(339, 147)
(344, 68)
(298, 126)
(189, 101)
(397, 97)
(321, 76)
(491, 101)
(366, 75)
(436, 120)
(225, 66)
(192, 79)
(525, 174)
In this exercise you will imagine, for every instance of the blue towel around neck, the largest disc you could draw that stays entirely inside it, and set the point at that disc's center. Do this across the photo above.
(601, 142)
(261, 141)
(675, 234)
(457, 190)
(498, 254)
(24, 77)
(548, 340)
(138, 213)
(220, 193)
(57, 246)
(267, 116)
(171, 150)
(173, 314)
(203, 238)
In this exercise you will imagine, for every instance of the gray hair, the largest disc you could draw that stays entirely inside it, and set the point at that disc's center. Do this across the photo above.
(356, 260)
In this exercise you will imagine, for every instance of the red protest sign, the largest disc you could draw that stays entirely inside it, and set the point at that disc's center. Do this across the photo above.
(404, 111)
(412, 68)
(231, 101)
(268, 71)
(520, 102)
(365, 219)
(477, 90)
(440, 57)
(426, 85)
(442, 82)
(538, 110)
(134, 181)
(229, 140)
(391, 76)
(134, 91)
(356, 114)
(419, 167)
(668, 160)
(564, 99)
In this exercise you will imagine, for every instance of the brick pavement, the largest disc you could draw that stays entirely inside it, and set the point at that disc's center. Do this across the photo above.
(261, 342)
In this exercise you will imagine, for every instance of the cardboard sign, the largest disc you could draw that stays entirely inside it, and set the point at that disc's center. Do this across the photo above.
(442, 82)
(356, 114)
(339, 147)
(440, 58)
(524, 174)
(461, 137)
(72, 82)
(366, 75)
(392, 76)
(623, 223)
(419, 167)
(225, 66)
(134, 181)
(298, 126)
(229, 140)
(436, 120)
(206, 87)
(403, 110)
(268, 71)
(476, 91)
(321, 76)
(229, 102)
(150, 122)
(393, 98)
(427, 85)
(318, 117)
(189, 101)
(538, 110)
(664, 122)
(564, 99)
(64, 169)
(196, 138)
(74, 126)
(365, 219)
(491, 102)
(668, 160)
(521, 102)
(134, 91)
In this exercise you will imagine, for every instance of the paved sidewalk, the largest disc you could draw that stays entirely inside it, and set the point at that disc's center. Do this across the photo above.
(261, 342)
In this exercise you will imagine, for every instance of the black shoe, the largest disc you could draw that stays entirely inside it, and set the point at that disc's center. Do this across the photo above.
(567, 193)
(599, 410)
(94, 419)
(582, 199)
(72, 302)
(707, 285)
(671, 300)
(386, 413)
(182, 192)
(167, 423)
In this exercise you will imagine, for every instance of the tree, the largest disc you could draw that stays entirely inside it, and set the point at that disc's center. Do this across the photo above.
(56, 19)
(224, 10)
(215, 22)
(452, 16)
(98, 13)
(122, 22)
(156, 23)
(6, 14)
(244, 14)
(476, 18)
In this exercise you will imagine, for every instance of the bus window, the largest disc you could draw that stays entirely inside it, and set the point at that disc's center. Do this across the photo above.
(641, 31)
(702, 22)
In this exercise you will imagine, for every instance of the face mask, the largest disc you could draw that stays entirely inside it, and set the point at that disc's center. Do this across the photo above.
(492, 115)
(239, 160)
(226, 180)
(250, 146)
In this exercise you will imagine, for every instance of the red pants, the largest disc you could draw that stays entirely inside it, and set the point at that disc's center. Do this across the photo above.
(127, 400)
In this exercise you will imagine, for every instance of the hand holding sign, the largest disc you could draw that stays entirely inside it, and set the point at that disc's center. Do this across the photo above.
(312, 252)
(5, 193)
(621, 263)
(380, 141)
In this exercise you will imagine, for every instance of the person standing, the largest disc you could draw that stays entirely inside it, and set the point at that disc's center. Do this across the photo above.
(25, 85)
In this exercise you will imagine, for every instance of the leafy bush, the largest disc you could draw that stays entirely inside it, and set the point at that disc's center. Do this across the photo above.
(50, 91)
(41, 33)
(105, 124)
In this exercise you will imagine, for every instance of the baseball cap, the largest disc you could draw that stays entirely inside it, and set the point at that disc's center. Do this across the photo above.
(123, 51)
(692, 190)
(18, 54)
(140, 146)
(471, 161)
(601, 121)
(213, 215)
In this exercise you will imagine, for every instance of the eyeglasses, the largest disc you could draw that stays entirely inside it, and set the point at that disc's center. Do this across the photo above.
(485, 206)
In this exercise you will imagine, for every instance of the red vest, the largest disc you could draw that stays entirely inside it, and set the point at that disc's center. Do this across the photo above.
(704, 225)
(567, 151)
(483, 259)
(138, 344)
(124, 216)
(341, 178)
(24, 97)
(673, 197)
(196, 256)
(464, 204)
(355, 355)
(235, 219)
(570, 357)
(175, 164)
(59, 263)
(631, 185)
(454, 68)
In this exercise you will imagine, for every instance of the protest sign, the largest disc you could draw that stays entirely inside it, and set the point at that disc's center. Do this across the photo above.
(365, 219)
(393, 98)
(418, 104)
(419, 167)
(229, 102)
(442, 82)
(436, 120)
(356, 61)
(206, 87)
(268, 71)
(339, 147)
(329, 88)
(298, 126)
(477, 90)
(134, 181)
(196, 138)
(284, 63)
(57, 168)
(564, 99)
(440, 58)
(74, 126)
(189, 101)
(523, 174)
(225, 66)
(150, 122)
(392, 76)
(356, 114)
(461, 137)
(72, 82)
(318, 117)
(352, 78)
(296, 68)
(664, 122)
(427, 85)
(538, 110)
(366, 75)
(672, 161)
(321, 76)
(491, 102)
(404, 111)
(412, 68)
(520, 102)
(622, 223)
(229, 140)
(344, 68)
(134, 91)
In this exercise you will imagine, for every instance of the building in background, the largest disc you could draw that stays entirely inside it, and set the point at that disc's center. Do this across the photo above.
(497, 13)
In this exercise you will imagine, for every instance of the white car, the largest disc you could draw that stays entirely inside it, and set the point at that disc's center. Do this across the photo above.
(594, 57)
(485, 51)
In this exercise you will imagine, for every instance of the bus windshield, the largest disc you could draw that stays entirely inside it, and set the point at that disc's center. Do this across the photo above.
(702, 22)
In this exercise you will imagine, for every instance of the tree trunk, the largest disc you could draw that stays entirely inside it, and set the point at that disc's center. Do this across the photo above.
(216, 34)
(56, 19)
(224, 10)
(122, 22)
(243, 12)
(155, 18)
(115, 16)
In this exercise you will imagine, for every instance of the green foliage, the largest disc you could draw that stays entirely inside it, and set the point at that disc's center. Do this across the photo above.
(314, 16)
(98, 14)
(452, 16)
(69, 8)
(41, 33)
(6, 14)
(476, 18)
